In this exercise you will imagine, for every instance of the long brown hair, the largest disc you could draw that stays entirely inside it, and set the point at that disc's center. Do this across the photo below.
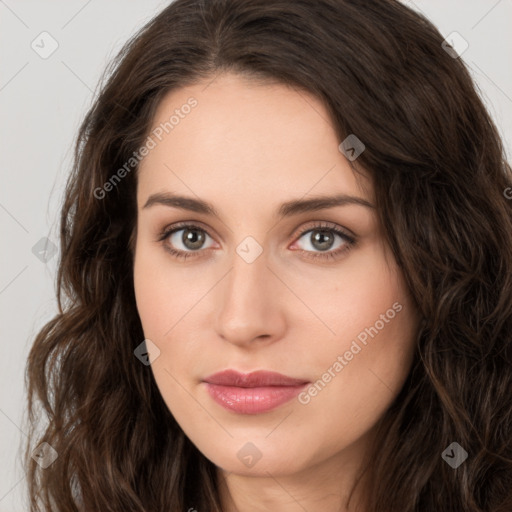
(440, 176)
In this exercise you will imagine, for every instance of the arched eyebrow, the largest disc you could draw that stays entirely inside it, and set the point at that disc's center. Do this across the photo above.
(287, 209)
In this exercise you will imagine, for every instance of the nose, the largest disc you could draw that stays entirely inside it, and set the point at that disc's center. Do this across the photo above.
(250, 304)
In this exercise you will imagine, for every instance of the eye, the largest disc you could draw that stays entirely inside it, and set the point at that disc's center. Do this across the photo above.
(325, 240)
(184, 239)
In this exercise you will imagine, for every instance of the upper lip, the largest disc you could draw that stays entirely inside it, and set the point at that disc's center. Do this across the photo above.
(260, 378)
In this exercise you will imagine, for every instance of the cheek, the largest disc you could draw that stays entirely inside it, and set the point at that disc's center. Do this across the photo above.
(168, 303)
(357, 389)
(352, 297)
(149, 293)
(370, 353)
(162, 299)
(161, 293)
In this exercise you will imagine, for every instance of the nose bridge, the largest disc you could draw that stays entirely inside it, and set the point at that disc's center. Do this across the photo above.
(248, 308)
(247, 281)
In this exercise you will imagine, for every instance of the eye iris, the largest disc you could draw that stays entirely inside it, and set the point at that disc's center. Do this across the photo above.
(193, 238)
(322, 240)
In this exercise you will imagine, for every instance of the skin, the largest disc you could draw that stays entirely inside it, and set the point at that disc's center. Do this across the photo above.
(246, 148)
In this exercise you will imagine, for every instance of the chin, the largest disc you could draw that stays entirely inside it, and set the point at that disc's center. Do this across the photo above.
(258, 459)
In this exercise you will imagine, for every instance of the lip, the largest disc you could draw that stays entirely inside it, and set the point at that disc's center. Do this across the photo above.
(252, 393)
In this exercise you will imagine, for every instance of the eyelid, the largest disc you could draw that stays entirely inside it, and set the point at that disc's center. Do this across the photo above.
(169, 229)
(298, 232)
(318, 225)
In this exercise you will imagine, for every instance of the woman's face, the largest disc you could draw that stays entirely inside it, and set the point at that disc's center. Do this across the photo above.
(271, 280)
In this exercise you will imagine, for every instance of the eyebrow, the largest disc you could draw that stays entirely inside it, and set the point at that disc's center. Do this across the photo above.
(286, 209)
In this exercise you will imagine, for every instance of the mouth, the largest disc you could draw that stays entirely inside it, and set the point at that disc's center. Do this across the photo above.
(252, 393)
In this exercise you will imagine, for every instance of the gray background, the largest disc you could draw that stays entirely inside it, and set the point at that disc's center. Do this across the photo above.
(42, 102)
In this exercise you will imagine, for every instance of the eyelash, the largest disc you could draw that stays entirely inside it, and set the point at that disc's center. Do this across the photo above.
(324, 226)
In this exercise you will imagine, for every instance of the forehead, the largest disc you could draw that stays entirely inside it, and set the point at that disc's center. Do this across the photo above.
(248, 138)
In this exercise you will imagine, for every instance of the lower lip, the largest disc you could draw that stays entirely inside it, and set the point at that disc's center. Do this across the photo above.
(252, 400)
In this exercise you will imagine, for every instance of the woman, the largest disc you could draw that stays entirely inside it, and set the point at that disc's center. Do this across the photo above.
(286, 274)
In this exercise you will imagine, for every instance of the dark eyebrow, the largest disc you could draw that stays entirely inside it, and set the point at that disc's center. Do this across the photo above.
(320, 203)
(287, 209)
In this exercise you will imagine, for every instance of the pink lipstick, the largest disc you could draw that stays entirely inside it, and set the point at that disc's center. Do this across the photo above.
(252, 393)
